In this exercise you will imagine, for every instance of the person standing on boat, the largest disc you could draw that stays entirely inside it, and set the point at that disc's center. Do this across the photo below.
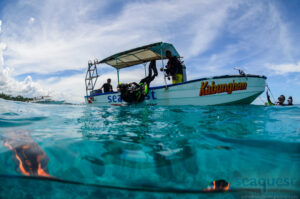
(174, 68)
(134, 92)
(107, 86)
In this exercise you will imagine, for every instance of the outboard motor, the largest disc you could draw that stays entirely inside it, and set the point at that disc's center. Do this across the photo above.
(241, 72)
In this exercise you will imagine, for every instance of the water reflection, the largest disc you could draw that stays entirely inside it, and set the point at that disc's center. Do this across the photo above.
(182, 145)
(131, 138)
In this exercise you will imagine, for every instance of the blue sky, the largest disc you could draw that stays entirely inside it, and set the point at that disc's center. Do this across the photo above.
(45, 45)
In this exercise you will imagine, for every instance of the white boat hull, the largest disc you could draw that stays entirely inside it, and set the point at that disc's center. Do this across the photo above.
(220, 90)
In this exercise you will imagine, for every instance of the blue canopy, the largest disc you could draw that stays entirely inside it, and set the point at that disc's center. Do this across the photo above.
(156, 51)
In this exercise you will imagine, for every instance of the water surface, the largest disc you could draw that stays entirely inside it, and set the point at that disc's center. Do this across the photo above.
(152, 148)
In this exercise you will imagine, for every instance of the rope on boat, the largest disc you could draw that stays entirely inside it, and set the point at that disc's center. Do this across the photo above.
(270, 92)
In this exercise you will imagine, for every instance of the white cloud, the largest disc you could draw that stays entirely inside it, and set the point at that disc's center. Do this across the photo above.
(208, 26)
(70, 39)
(31, 20)
(283, 33)
(257, 35)
(26, 88)
(70, 89)
(9, 85)
(2, 48)
(284, 68)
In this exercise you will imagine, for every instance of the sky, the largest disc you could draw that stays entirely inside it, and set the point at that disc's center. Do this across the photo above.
(45, 45)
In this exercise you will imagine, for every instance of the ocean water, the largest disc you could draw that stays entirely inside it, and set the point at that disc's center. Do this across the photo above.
(149, 152)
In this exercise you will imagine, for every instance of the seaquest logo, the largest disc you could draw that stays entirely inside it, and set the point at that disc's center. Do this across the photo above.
(221, 88)
(117, 98)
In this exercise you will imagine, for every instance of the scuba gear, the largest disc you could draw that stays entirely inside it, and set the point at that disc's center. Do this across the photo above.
(177, 79)
(134, 92)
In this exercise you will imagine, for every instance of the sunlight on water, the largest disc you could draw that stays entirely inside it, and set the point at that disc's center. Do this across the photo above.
(183, 147)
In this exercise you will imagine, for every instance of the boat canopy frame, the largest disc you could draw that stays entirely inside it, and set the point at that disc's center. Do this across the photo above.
(140, 55)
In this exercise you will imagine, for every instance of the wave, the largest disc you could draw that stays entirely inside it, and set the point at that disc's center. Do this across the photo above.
(15, 122)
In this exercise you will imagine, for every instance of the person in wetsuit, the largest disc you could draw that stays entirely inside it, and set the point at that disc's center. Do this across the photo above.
(280, 102)
(134, 92)
(173, 68)
(290, 101)
(107, 86)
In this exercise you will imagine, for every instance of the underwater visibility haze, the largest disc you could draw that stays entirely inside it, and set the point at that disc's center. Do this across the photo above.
(81, 151)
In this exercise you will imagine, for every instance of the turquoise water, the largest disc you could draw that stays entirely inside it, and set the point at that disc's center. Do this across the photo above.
(152, 152)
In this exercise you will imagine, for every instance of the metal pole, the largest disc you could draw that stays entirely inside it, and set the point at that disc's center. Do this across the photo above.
(118, 76)
(116, 58)
(162, 62)
(145, 69)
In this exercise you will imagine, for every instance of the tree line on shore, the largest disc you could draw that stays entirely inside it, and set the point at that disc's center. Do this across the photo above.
(17, 98)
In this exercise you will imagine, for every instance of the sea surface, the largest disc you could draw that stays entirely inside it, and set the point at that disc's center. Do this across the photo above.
(148, 152)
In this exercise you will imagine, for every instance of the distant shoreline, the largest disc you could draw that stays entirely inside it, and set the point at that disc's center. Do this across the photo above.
(17, 98)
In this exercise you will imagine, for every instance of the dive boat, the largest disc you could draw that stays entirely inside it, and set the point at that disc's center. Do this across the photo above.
(45, 100)
(218, 90)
